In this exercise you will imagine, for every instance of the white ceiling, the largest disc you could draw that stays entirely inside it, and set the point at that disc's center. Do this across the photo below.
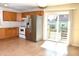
(32, 4)
(18, 6)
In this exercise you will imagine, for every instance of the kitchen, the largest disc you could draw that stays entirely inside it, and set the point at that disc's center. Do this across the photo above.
(20, 27)
(13, 24)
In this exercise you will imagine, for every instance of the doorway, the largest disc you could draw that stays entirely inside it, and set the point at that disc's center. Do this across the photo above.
(58, 27)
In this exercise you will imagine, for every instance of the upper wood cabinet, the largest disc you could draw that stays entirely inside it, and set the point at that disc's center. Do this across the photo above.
(34, 13)
(9, 16)
(13, 16)
(38, 13)
(26, 14)
(19, 17)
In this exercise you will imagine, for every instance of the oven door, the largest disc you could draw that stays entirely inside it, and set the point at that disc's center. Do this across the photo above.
(22, 30)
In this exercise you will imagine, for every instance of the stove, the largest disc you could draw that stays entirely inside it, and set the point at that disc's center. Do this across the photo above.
(22, 32)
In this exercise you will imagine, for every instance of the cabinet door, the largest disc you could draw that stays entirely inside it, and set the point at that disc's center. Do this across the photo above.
(39, 13)
(23, 15)
(6, 16)
(19, 17)
(11, 32)
(13, 16)
(8, 33)
(9, 16)
(15, 32)
(2, 34)
(26, 14)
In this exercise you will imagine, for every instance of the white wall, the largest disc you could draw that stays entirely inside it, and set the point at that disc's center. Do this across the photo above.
(6, 24)
(45, 36)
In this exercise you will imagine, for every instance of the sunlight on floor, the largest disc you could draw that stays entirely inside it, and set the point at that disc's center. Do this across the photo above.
(54, 48)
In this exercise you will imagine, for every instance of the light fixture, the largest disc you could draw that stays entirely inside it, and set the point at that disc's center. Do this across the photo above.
(42, 3)
(5, 5)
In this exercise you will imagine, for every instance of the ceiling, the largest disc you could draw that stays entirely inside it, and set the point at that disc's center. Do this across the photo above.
(18, 6)
(31, 4)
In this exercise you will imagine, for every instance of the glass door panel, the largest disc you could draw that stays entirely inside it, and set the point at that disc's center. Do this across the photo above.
(63, 23)
(52, 19)
(63, 26)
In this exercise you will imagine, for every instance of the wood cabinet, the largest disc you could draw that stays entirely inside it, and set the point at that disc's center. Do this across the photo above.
(8, 32)
(34, 13)
(13, 16)
(38, 13)
(23, 15)
(26, 14)
(11, 32)
(9, 16)
(2, 33)
(19, 17)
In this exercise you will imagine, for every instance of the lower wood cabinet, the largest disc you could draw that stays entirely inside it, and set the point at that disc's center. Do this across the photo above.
(8, 32)
(2, 33)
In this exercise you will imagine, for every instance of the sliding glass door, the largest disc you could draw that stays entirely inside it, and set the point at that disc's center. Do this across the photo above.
(58, 27)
